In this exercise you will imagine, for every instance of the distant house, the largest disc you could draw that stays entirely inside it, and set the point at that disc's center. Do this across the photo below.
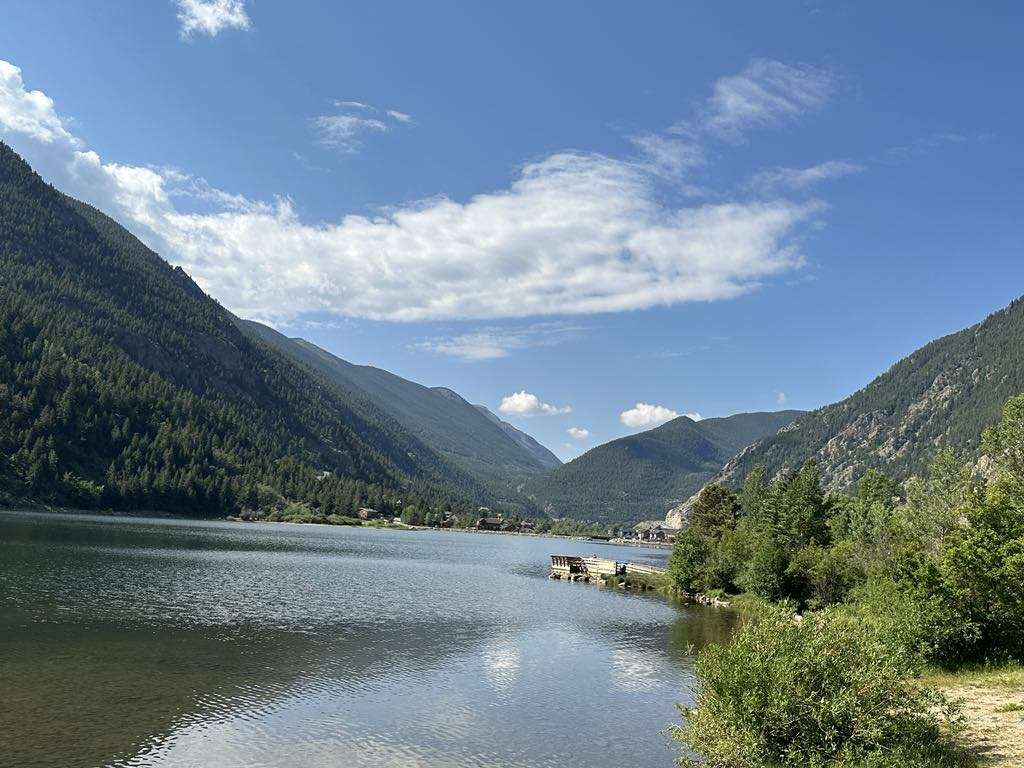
(368, 513)
(657, 533)
(527, 526)
(489, 524)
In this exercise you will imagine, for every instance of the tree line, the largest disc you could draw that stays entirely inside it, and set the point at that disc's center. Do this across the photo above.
(854, 593)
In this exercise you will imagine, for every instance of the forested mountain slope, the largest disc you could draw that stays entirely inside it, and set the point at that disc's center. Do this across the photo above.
(943, 394)
(526, 442)
(470, 438)
(123, 384)
(640, 476)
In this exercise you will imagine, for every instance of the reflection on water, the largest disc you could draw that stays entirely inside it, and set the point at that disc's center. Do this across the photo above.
(169, 643)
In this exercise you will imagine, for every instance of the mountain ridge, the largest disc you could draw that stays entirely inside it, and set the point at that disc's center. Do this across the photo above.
(129, 386)
(641, 476)
(461, 432)
(942, 394)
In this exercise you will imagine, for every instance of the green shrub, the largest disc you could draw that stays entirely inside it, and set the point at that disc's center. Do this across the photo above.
(825, 691)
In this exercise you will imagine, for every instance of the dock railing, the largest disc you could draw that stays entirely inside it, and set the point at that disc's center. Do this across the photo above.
(574, 568)
(647, 570)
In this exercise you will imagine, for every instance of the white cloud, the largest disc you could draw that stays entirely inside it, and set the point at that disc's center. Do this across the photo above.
(30, 113)
(694, 415)
(399, 116)
(574, 233)
(578, 433)
(781, 398)
(802, 178)
(492, 343)
(523, 403)
(209, 17)
(647, 415)
(767, 94)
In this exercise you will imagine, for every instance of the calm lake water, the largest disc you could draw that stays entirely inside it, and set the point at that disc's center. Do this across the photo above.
(153, 642)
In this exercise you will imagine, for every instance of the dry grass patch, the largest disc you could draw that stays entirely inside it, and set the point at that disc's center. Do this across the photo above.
(992, 703)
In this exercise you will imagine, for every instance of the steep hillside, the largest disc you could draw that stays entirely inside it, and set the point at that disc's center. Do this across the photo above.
(943, 394)
(546, 458)
(473, 440)
(123, 384)
(640, 476)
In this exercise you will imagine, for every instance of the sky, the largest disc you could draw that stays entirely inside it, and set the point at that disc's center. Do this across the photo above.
(588, 216)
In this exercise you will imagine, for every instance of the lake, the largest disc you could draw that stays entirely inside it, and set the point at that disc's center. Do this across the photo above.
(156, 642)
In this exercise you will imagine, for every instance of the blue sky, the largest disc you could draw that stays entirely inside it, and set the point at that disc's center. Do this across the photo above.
(703, 208)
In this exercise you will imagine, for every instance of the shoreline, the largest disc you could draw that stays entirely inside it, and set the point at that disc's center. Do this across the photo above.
(38, 507)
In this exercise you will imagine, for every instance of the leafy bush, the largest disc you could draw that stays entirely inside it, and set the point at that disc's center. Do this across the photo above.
(826, 691)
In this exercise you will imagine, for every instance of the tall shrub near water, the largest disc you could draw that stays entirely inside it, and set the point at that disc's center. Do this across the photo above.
(827, 691)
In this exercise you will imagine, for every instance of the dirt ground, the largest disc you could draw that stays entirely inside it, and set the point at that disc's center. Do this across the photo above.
(992, 702)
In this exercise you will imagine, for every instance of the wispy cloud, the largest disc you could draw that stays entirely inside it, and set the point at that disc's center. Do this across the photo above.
(803, 178)
(523, 403)
(578, 433)
(767, 94)
(572, 233)
(668, 156)
(209, 17)
(780, 398)
(353, 105)
(694, 415)
(927, 144)
(344, 130)
(647, 415)
(493, 342)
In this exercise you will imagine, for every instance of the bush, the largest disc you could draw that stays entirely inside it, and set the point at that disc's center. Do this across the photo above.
(826, 691)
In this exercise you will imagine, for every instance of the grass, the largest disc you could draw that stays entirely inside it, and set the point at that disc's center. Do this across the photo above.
(1011, 707)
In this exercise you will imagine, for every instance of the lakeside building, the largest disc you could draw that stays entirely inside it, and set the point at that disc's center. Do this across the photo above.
(655, 533)
(496, 524)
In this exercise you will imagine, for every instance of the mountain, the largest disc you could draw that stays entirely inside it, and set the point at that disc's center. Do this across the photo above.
(944, 394)
(546, 458)
(496, 454)
(124, 385)
(640, 476)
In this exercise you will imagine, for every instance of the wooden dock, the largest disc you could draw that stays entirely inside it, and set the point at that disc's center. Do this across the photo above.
(574, 568)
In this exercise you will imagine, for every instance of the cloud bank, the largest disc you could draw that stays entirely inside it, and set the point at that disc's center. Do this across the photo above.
(573, 233)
